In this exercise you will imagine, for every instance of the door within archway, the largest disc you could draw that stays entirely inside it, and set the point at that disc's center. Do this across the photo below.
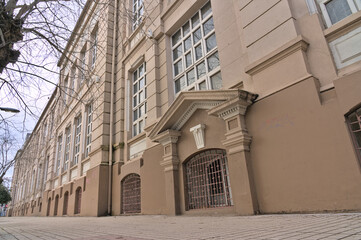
(78, 193)
(131, 194)
(56, 205)
(207, 180)
(48, 209)
(65, 206)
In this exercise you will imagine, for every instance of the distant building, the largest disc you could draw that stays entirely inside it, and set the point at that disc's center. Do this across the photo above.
(196, 106)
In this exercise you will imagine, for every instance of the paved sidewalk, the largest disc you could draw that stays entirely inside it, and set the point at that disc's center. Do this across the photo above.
(302, 226)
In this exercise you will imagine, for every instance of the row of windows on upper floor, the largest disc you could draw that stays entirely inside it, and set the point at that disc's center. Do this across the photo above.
(71, 152)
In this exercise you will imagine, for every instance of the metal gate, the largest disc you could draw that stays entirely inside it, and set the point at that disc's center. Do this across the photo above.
(207, 177)
(131, 194)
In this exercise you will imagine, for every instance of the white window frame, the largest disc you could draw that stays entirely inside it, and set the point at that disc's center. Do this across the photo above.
(72, 80)
(82, 66)
(355, 6)
(67, 144)
(94, 39)
(206, 78)
(59, 154)
(66, 90)
(89, 129)
(139, 99)
(138, 11)
(77, 139)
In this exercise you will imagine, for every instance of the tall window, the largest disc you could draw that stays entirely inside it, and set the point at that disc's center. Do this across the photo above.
(94, 37)
(195, 55)
(77, 140)
(72, 81)
(38, 178)
(138, 10)
(354, 122)
(58, 158)
(82, 66)
(46, 169)
(67, 148)
(139, 99)
(336, 10)
(89, 123)
(66, 90)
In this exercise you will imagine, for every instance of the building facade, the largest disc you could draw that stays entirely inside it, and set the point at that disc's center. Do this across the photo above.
(200, 107)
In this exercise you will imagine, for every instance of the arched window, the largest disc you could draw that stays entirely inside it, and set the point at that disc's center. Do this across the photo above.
(48, 209)
(78, 193)
(56, 205)
(65, 205)
(354, 123)
(131, 194)
(207, 180)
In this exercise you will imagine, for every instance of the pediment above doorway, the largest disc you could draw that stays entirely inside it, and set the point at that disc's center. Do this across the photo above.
(187, 103)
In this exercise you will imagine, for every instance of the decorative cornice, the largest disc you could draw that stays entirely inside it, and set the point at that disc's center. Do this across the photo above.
(297, 44)
(191, 109)
(167, 137)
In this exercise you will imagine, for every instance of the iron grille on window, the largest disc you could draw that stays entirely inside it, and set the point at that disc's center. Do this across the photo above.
(208, 184)
(131, 194)
(354, 122)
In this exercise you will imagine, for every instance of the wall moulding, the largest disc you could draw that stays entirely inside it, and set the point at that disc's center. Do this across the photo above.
(297, 44)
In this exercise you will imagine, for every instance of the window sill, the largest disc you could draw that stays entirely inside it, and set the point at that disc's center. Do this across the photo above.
(343, 27)
(137, 138)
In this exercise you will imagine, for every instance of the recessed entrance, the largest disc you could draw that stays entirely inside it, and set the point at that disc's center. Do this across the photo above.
(131, 194)
(207, 180)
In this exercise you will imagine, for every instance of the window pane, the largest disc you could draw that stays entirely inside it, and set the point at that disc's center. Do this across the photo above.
(358, 112)
(338, 10)
(186, 29)
(191, 77)
(176, 37)
(358, 138)
(352, 117)
(135, 87)
(141, 96)
(177, 52)
(134, 129)
(142, 109)
(135, 76)
(178, 68)
(213, 61)
(177, 86)
(203, 86)
(183, 82)
(187, 44)
(195, 20)
(199, 52)
(201, 70)
(216, 81)
(141, 126)
(208, 26)
(206, 10)
(355, 126)
(135, 101)
(141, 83)
(189, 59)
(197, 35)
(135, 114)
(141, 70)
(211, 42)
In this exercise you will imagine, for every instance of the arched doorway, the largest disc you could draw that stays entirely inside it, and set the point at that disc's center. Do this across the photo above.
(65, 205)
(131, 194)
(77, 207)
(207, 180)
(48, 209)
(56, 205)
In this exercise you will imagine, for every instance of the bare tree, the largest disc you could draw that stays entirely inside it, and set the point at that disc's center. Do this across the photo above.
(7, 147)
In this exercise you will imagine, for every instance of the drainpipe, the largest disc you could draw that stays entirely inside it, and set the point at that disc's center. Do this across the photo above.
(112, 80)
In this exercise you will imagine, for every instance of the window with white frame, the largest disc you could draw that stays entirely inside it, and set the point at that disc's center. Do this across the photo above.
(138, 11)
(195, 55)
(66, 90)
(67, 148)
(82, 66)
(46, 169)
(94, 38)
(89, 123)
(58, 157)
(72, 80)
(336, 10)
(77, 140)
(139, 102)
